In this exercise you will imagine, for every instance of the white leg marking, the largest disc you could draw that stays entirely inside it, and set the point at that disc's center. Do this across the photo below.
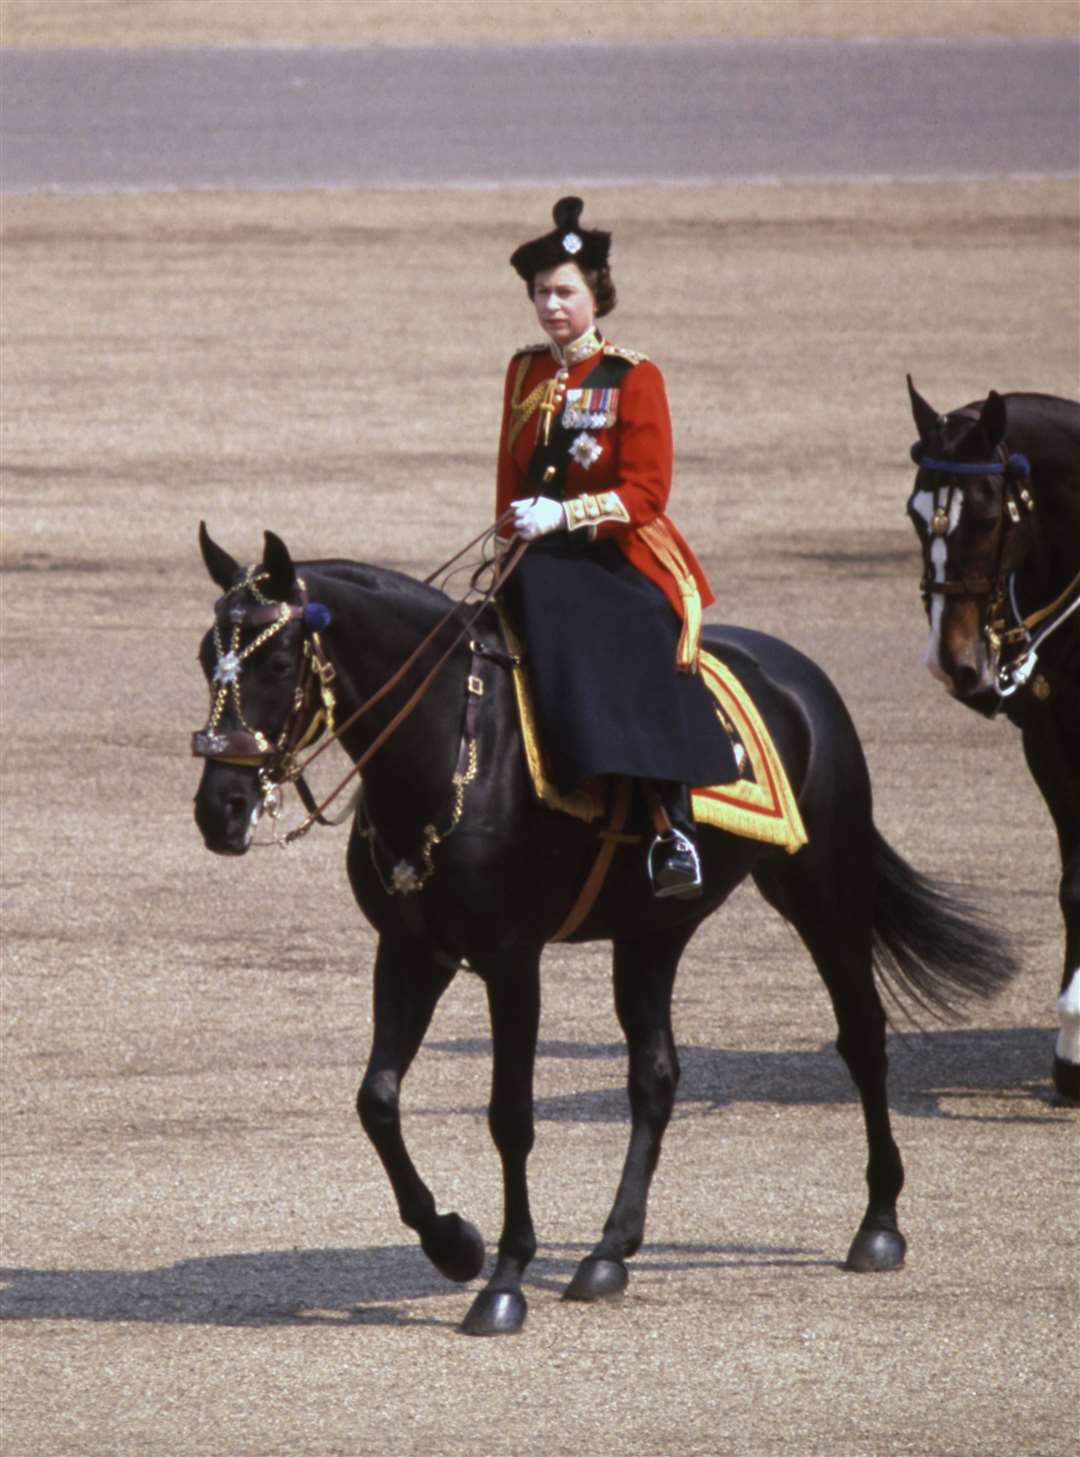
(1068, 1005)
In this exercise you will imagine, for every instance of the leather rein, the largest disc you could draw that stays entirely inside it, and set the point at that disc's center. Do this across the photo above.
(311, 714)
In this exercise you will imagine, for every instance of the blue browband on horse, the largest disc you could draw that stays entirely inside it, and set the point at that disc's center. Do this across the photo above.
(316, 616)
(1016, 466)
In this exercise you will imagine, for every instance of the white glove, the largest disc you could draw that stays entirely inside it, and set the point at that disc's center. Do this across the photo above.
(537, 516)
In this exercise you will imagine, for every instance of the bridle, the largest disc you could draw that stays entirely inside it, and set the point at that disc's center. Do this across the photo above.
(1016, 500)
(311, 711)
(1013, 649)
(278, 762)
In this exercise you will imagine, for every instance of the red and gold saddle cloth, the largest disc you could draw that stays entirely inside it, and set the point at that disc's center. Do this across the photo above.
(759, 805)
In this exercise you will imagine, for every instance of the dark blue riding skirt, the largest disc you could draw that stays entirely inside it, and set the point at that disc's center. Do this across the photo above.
(601, 641)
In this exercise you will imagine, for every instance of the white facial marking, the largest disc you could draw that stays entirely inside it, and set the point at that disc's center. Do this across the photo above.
(924, 503)
(1068, 1005)
(254, 820)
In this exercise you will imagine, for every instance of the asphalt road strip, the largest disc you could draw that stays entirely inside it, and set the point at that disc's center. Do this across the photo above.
(260, 118)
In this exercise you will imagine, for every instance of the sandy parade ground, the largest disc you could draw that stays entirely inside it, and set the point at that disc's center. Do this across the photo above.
(200, 1253)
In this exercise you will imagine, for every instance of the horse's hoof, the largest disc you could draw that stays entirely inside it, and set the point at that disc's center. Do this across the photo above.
(495, 1313)
(454, 1247)
(876, 1249)
(597, 1279)
(1067, 1081)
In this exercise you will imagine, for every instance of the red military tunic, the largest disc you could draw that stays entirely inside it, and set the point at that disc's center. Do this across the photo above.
(618, 479)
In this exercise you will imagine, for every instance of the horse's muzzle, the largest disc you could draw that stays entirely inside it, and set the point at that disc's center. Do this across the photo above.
(963, 665)
(967, 682)
(228, 804)
(984, 700)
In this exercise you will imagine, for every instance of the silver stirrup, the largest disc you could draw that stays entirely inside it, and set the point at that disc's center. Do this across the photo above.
(684, 846)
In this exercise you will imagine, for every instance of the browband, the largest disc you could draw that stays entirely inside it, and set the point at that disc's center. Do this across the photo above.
(1016, 467)
(316, 617)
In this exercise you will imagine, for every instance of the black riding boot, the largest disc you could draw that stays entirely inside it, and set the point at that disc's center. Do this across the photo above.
(674, 864)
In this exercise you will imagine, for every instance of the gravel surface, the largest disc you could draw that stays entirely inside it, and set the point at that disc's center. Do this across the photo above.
(200, 1252)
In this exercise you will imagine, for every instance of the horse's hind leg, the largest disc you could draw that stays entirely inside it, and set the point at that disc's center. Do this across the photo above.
(832, 910)
(408, 984)
(514, 1004)
(644, 975)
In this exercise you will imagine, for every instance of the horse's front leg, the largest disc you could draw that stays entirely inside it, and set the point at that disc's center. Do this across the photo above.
(644, 976)
(514, 1003)
(1067, 1049)
(408, 984)
(1052, 758)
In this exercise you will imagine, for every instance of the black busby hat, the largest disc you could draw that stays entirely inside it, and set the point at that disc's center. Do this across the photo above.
(568, 243)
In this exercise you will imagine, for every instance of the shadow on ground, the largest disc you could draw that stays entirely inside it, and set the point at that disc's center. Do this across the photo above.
(932, 1075)
(313, 1287)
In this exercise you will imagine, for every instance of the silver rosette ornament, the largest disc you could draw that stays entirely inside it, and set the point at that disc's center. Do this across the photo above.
(586, 450)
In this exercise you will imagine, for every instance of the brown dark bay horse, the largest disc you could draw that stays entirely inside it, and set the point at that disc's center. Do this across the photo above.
(456, 864)
(996, 503)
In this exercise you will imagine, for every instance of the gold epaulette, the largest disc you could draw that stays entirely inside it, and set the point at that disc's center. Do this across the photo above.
(591, 510)
(531, 349)
(632, 356)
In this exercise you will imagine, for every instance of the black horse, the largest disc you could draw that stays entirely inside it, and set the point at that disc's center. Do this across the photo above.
(996, 504)
(455, 863)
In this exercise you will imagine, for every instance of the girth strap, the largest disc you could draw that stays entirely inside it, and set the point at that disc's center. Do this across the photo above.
(610, 839)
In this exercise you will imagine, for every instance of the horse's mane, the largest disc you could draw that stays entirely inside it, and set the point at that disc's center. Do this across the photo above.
(1047, 429)
(382, 581)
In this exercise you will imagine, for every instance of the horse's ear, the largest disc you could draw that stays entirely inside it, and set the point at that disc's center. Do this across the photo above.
(992, 420)
(222, 568)
(926, 417)
(278, 565)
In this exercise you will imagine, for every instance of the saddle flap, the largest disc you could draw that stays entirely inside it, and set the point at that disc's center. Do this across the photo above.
(759, 805)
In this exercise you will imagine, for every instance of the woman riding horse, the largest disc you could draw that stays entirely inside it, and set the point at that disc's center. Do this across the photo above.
(609, 597)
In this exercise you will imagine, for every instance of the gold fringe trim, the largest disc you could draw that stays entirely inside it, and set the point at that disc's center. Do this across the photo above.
(662, 545)
(764, 808)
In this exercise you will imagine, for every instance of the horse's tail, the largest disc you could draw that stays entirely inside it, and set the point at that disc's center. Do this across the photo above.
(931, 946)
